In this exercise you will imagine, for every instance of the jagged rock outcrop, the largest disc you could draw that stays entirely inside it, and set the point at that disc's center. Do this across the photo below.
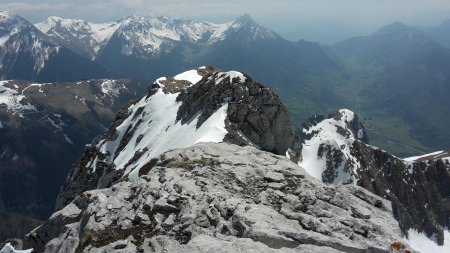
(419, 190)
(220, 197)
(203, 105)
(334, 150)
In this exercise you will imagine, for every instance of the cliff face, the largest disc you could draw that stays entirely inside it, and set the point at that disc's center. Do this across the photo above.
(419, 190)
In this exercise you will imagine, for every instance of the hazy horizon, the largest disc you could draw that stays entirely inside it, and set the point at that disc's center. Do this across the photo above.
(321, 21)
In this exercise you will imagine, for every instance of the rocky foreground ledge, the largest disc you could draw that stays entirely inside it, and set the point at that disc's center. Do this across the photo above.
(221, 198)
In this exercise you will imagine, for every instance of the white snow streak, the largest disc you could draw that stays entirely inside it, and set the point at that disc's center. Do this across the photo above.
(414, 158)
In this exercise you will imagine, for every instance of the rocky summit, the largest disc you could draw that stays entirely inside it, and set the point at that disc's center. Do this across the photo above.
(221, 198)
(200, 105)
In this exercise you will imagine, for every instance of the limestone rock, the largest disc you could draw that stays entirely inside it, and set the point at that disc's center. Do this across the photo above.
(218, 198)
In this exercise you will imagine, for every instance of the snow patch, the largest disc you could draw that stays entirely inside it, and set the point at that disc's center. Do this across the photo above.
(191, 76)
(331, 135)
(12, 100)
(347, 115)
(8, 248)
(420, 242)
(112, 87)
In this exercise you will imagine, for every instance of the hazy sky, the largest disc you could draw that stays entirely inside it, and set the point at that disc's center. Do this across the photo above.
(318, 20)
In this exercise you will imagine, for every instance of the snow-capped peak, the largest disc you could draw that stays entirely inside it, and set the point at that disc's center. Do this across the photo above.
(327, 142)
(152, 35)
(251, 28)
(70, 32)
(54, 21)
(336, 126)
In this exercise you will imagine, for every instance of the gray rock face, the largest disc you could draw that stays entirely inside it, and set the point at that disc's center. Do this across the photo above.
(254, 116)
(220, 198)
(253, 110)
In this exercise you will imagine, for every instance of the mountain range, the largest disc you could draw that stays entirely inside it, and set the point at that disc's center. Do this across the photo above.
(377, 75)
(395, 79)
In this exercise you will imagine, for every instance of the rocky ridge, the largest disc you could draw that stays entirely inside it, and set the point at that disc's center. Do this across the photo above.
(225, 198)
(28, 54)
(82, 37)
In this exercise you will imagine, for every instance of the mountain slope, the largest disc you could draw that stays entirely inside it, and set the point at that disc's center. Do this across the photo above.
(303, 73)
(44, 129)
(400, 82)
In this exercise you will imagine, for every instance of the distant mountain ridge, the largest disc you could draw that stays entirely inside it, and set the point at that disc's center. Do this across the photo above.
(401, 81)
(82, 37)
(28, 54)
(310, 78)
